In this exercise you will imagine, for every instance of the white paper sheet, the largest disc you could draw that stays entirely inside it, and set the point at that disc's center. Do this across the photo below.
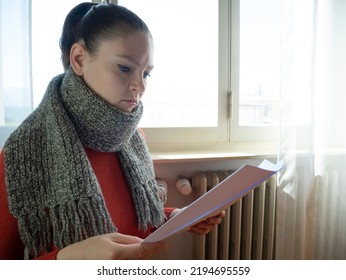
(229, 191)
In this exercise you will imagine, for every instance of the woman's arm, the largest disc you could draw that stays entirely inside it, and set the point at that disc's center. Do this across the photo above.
(11, 246)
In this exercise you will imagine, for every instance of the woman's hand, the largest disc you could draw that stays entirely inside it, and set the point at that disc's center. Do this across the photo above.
(208, 224)
(113, 246)
(204, 226)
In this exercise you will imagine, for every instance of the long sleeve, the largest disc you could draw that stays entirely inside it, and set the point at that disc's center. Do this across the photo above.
(11, 246)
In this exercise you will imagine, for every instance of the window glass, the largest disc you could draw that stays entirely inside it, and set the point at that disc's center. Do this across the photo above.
(15, 82)
(259, 62)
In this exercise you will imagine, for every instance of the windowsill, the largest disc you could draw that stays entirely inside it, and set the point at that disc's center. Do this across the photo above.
(213, 151)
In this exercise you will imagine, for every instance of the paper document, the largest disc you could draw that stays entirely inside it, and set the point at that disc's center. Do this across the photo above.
(220, 197)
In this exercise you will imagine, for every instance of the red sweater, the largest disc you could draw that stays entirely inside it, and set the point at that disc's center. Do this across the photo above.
(115, 191)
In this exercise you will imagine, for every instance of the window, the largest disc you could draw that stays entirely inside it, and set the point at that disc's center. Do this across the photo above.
(259, 71)
(216, 67)
(15, 82)
(15, 63)
(255, 74)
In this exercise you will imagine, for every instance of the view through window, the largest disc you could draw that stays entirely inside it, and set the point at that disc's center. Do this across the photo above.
(259, 62)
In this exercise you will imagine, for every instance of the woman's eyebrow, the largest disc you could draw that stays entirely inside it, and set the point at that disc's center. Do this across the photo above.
(130, 58)
(133, 60)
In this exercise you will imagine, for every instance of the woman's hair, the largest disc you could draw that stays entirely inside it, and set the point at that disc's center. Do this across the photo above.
(94, 23)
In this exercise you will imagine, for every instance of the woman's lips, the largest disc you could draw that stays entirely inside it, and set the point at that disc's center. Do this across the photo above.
(131, 102)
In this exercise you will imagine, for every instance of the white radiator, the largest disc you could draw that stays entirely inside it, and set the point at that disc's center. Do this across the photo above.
(247, 231)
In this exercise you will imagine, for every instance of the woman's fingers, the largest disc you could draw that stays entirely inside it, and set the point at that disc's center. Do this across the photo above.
(113, 246)
(207, 225)
(131, 247)
(139, 250)
(123, 238)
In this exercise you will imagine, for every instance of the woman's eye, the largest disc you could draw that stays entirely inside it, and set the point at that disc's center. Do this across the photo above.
(146, 75)
(124, 69)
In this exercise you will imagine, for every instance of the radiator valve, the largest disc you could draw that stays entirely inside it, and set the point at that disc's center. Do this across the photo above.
(184, 186)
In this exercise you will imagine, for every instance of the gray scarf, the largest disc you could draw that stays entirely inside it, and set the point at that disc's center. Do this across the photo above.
(52, 189)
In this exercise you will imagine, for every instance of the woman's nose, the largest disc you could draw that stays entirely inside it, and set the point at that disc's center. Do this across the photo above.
(138, 84)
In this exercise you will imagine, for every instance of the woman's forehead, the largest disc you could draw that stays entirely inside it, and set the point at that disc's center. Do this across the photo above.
(137, 47)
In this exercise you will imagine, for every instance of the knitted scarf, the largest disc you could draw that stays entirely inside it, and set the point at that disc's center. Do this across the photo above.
(52, 189)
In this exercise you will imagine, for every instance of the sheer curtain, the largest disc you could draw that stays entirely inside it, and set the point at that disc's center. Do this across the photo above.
(311, 198)
(15, 64)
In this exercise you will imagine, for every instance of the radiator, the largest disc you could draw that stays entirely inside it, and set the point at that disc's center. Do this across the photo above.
(247, 231)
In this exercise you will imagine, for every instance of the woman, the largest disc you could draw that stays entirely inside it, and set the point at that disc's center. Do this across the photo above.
(76, 178)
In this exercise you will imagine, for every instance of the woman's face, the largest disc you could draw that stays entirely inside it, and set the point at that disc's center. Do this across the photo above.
(119, 70)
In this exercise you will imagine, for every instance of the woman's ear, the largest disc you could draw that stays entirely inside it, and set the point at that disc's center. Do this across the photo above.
(77, 57)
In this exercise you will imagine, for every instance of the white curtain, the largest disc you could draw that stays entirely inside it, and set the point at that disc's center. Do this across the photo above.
(15, 64)
(311, 198)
